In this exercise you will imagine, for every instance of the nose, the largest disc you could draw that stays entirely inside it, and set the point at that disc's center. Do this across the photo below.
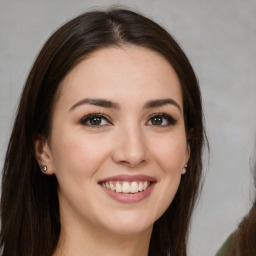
(130, 147)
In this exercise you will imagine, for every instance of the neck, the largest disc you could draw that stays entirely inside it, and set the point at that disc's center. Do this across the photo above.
(75, 240)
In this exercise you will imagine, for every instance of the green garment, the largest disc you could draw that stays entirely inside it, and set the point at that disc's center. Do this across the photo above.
(224, 250)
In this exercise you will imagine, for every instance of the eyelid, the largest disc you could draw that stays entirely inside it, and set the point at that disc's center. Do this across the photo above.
(84, 118)
(170, 118)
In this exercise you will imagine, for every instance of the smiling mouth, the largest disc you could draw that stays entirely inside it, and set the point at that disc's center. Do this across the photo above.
(126, 187)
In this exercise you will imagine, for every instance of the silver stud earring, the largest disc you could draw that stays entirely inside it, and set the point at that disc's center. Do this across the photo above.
(44, 168)
(184, 169)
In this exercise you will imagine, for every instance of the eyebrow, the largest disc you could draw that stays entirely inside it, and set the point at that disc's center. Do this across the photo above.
(161, 102)
(110, 104)
(96, 102)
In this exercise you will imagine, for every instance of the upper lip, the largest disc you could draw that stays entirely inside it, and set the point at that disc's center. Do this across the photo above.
(130, 178)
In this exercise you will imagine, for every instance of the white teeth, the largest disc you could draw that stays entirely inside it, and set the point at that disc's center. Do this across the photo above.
(134, 187)
(140, 186)
(125, 186)
(118, 187)
(112, 187)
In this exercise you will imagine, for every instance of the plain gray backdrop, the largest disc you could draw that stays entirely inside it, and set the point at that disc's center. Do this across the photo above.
(219, 38)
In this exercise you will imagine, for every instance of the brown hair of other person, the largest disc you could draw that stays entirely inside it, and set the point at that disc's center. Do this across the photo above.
(244, 242)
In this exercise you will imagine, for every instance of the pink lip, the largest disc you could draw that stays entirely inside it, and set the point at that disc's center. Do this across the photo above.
(129, 198)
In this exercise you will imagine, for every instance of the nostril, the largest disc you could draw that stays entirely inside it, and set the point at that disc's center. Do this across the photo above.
(130, 148)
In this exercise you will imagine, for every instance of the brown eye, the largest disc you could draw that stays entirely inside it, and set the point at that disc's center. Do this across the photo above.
(161, 120)
(95, 120)
(157, 120)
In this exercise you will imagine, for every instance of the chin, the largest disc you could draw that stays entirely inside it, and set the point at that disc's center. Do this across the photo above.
(130, 229)
(129, 223)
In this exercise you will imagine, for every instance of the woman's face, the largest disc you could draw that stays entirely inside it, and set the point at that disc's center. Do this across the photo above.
(118, 143)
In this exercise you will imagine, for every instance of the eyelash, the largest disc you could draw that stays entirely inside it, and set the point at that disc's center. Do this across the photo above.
(170, 120)
(88, 118)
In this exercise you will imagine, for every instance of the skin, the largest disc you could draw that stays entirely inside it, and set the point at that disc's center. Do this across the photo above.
(127, 141)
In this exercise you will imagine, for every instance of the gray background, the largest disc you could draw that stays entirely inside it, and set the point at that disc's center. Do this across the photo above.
(219, 38)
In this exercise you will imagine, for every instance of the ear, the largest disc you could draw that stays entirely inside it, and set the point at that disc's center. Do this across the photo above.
(187, 152)
(189, 137)
(186, 159)
(190, 134)
(43, 154)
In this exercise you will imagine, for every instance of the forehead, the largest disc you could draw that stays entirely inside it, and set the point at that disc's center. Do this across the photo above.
(129, 70)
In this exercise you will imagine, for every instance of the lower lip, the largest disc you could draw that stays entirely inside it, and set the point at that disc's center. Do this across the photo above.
(131, 197)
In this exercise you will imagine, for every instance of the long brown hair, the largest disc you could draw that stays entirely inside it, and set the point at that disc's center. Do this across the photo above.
(29, 204)
(244, 242)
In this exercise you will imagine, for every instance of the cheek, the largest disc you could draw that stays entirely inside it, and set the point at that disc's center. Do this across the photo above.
(77, 155)
(170, 153)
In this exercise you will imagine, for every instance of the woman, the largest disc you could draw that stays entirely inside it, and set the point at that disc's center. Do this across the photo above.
(105, 156)
(243, 241)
